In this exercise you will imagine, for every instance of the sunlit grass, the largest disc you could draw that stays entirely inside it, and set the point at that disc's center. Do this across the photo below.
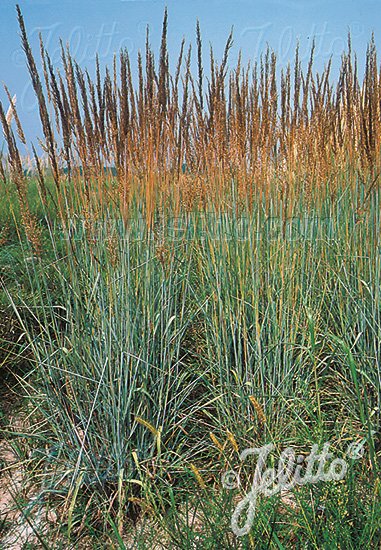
(194, 270)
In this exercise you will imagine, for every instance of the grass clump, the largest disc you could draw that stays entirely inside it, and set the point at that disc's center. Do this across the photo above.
(200, 276)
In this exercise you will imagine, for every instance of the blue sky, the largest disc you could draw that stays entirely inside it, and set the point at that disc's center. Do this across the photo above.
(106, 25)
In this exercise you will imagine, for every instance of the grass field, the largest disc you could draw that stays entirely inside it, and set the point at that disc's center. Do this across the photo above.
(218, 290)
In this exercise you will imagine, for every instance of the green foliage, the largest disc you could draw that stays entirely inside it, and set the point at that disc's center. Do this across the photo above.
(158, 356)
